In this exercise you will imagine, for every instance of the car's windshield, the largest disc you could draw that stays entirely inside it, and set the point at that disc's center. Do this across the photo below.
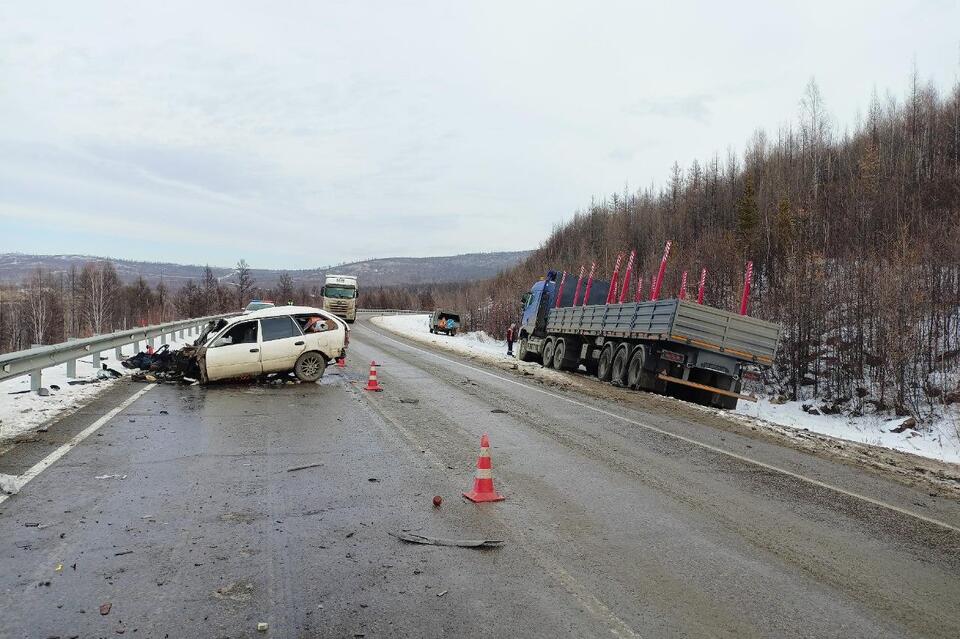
(340, 292)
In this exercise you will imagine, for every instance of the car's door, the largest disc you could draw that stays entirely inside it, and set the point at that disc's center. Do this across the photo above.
(281, 343)
(235, 353)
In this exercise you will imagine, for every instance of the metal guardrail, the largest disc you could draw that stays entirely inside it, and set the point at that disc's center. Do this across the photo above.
(395, 311)
(32, 361)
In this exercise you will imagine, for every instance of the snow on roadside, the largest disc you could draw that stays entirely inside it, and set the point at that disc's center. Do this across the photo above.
(938, 440)
(23, 412)
(418, 327)
(476, 345)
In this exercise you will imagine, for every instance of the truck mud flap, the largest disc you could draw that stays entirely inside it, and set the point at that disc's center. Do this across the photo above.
(711, 389)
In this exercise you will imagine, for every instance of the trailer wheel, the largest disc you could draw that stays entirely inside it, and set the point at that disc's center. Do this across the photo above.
(636, 378)
(605, 365)
(523, 353)
(618, 373)
(548, 352)
(559, 351)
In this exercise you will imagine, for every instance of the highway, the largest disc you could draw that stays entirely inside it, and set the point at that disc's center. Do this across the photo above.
(205, 511)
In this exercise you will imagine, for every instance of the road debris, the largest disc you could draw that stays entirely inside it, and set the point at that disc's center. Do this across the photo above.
(408, 400)
(442, 593)
(437, 500)
(9, 484)
(439, 541)
(110, 477)
(105, 608)
(499, 411)
(262, 627)
(125, 552)
(296, 468)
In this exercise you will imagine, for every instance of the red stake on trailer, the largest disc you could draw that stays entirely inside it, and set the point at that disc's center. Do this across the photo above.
(702, 287)
(655, 294)
(747, 277)
(576, 292)
(612, 292)
(627, 274)
(683, 287)
(586, 292)
(563, 278)
(638, 296)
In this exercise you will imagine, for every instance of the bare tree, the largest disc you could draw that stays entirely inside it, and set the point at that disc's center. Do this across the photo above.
(99, 290)
(245, 282)
(37, 299)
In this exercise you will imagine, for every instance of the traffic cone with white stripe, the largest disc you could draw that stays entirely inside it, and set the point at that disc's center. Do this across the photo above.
(372, 383)
(483, 489)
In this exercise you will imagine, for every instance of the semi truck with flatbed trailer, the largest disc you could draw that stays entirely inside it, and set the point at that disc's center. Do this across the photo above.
(671, 346)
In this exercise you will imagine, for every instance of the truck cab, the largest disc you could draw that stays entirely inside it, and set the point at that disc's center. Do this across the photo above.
(339, 294)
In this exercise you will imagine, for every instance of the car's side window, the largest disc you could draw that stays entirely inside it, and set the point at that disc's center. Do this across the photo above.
(279, 328)
(315, 323)
(242, 333)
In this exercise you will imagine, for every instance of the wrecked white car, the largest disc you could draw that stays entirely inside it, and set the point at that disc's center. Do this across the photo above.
(298, 339)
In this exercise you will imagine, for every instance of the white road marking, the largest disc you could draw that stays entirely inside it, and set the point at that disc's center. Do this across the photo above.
(49, 460)
(688, 440)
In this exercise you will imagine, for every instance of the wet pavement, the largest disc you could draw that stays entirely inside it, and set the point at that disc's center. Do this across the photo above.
(192, 523)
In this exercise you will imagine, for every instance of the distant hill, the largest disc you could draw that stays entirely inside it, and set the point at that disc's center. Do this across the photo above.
(390, 271)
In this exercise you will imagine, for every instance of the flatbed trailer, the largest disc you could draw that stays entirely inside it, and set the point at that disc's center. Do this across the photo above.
(697, 352)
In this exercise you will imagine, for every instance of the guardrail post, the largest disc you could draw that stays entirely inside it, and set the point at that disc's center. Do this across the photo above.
(95, 358)
(152, 342)
(71, 363)
(136, 346)
(35, 380)
(118, 352)
(163, 338)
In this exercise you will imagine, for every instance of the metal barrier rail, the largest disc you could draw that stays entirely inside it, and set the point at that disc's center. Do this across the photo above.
(395, 311)
(33, 360)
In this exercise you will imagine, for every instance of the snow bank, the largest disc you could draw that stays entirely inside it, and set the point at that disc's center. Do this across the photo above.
(23, 412)
(418, 327)
(939, 439)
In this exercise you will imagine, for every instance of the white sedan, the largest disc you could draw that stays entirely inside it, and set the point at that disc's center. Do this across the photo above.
(301, 339)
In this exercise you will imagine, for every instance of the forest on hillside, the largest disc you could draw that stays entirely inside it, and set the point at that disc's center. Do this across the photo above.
(91, 299)
(854, 236)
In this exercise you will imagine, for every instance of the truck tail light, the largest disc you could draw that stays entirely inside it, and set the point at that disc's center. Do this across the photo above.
(670, 356)
(753, 376)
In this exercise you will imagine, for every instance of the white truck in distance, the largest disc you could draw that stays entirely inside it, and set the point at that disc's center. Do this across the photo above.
(340, 296)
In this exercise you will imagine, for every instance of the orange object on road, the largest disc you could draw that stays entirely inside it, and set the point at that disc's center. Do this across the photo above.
(372, 383)
(341, 362)
(483, 489)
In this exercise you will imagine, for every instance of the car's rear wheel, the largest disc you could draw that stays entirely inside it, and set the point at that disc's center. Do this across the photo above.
(310, 366)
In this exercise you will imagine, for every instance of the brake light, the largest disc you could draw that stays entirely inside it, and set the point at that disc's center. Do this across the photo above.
(753, 376)
(670, 356)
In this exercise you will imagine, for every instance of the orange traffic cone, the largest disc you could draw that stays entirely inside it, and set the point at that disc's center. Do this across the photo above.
(341, 362)
(483, 489)
(372, 383)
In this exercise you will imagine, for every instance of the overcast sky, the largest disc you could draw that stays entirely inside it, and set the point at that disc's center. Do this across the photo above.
(299, 134)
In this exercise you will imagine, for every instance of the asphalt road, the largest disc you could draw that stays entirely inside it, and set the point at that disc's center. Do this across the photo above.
(620, 519)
